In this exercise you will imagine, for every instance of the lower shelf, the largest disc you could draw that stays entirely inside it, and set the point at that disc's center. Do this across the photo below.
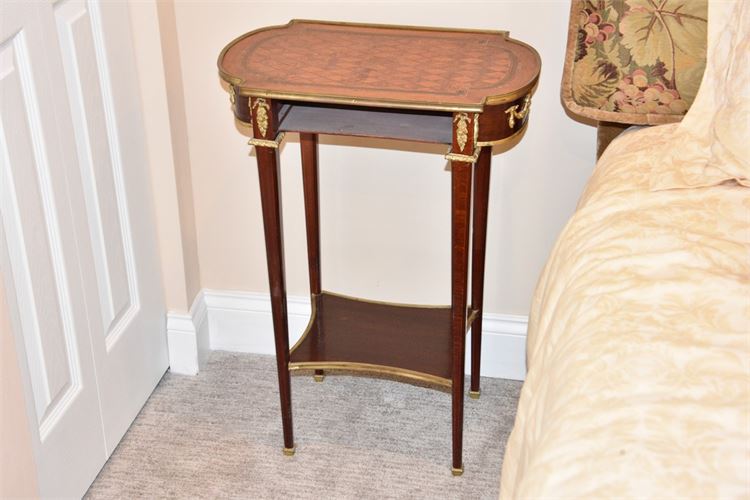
(354, 334)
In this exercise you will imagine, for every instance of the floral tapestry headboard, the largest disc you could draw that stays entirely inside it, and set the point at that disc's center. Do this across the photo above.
(634, 61)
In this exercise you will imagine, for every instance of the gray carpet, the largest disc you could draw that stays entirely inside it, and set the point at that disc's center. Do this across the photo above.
(218, 434)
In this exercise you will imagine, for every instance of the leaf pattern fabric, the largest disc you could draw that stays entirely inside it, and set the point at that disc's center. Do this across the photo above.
(634, 61)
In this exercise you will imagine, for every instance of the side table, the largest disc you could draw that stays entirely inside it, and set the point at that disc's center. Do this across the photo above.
(468, 89)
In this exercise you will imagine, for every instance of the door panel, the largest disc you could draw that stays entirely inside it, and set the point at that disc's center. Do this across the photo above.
(124, 291)
(31, 222)
(78, 253)
(40, 266)
(100, 168)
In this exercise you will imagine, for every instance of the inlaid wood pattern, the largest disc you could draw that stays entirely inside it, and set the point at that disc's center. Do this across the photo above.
(426, 67)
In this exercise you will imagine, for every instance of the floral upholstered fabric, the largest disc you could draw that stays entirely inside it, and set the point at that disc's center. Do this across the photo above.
(634, 61)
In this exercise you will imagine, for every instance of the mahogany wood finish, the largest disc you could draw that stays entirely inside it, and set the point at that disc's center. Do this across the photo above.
(460, 228)
(348, 330)
(461, 194)
(242, 107)
(454, 87)
(309, 152)
(478, 247)
(270, 197)
(309, 147)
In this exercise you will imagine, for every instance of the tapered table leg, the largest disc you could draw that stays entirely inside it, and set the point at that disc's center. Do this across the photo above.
(268, 171)
(478, 247)
(309, 150)
(460, 218)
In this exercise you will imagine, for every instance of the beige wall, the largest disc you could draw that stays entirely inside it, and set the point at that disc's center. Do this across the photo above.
(385, 211)
(17, 469)
(160, 77)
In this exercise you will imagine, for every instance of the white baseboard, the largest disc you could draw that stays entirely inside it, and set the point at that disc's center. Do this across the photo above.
(241, 322)
(188, 338)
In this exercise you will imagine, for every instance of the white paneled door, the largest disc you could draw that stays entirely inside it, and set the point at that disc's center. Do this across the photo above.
(78, 252)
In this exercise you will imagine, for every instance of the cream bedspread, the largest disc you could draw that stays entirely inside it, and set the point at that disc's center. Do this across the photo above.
(639, 342)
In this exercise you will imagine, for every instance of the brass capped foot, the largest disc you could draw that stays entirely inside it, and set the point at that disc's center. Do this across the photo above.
(289, 452)
(319, 378)
(457, 471)
(474, 394)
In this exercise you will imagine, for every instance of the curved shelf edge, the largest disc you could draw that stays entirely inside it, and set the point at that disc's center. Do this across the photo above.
(371, 368)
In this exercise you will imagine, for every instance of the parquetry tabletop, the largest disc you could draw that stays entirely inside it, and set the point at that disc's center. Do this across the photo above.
(378, 65)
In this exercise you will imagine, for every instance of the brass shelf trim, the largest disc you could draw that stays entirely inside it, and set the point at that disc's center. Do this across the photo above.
(371, 368)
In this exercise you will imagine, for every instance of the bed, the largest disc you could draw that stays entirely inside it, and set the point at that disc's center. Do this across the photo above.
(638, 350)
